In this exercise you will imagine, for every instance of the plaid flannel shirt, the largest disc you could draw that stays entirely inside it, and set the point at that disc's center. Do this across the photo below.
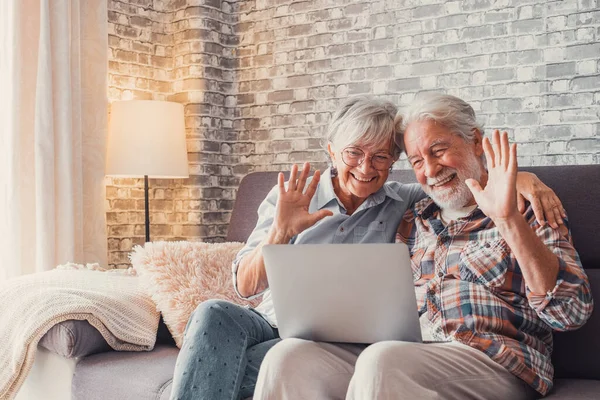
(469, 283)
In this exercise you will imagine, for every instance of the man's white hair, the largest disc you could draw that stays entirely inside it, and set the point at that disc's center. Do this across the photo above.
(367, 121)
(446, 110)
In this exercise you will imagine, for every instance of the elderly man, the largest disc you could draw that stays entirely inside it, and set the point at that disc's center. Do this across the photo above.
(491, 283)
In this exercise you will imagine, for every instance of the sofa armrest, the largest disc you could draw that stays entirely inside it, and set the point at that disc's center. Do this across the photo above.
(77, 338)
(73, 339)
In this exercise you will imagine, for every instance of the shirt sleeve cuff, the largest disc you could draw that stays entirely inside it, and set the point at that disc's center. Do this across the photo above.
(539, 301)
(234, 269)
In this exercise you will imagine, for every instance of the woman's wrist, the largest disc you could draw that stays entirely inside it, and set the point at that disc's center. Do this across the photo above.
(278, 236)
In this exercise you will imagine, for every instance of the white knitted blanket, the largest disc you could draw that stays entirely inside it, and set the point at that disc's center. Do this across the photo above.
(114, 303)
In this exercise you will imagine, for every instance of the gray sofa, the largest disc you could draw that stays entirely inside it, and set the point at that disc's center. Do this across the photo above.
(104, 374)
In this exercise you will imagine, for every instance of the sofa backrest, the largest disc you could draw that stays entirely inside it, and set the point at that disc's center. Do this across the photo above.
(576, 185)
(253, 189)
(577, 353)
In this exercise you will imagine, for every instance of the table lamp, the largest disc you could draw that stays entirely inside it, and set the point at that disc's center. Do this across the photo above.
(146, 138)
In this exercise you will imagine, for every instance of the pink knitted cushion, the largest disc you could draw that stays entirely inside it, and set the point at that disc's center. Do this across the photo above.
(180, 275)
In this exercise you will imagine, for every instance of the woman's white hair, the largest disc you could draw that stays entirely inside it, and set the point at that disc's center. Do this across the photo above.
(366, 121)
(443, 109)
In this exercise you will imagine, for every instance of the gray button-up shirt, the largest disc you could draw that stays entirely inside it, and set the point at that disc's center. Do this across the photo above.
(374, 221)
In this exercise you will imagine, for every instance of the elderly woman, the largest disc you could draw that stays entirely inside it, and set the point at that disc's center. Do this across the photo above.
(224, 343)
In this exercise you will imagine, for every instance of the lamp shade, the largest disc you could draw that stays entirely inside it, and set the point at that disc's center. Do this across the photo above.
(147, 137)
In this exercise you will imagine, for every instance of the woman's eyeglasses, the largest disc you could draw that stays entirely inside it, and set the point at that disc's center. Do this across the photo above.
(353, 157)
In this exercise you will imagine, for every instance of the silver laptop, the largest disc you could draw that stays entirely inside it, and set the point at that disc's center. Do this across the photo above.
(350, 293)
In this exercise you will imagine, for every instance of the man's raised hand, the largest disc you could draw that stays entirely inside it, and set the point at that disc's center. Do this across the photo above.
(499, 198)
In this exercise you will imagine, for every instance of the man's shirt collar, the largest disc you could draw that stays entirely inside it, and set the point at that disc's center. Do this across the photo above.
(427, 208)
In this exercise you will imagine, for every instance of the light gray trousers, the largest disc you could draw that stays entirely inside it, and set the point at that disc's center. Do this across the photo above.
(301, 369)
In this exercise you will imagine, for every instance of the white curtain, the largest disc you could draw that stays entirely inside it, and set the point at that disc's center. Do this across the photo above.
(53, 133)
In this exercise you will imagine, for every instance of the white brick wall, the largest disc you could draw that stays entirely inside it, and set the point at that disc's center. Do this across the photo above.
(528, 67)
(183, 51)
(260, 79)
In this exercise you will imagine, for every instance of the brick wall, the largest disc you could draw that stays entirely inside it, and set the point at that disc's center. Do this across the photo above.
(260, 79)
(529, 67)
(181, 51)
(205, 63)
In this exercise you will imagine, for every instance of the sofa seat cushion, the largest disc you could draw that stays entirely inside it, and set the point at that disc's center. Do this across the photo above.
(125, 375)
(575, 389)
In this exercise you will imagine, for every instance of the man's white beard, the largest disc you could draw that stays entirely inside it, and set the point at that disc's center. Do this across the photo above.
(458, 195)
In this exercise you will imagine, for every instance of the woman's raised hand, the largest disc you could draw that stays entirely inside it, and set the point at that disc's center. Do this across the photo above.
(291, 215)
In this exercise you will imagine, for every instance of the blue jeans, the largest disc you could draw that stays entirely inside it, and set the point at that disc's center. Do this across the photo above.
(223, 347)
